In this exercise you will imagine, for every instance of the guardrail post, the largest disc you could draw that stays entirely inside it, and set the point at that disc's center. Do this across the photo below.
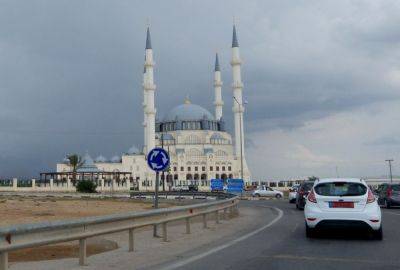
(216, 217)
(15, 184)
(82, 252)
(204, 221)
(131, 240)
(188, 225)
(3, 260)
(165, 235)
(225, 213)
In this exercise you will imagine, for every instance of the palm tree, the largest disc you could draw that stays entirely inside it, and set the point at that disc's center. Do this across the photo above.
(75, 161)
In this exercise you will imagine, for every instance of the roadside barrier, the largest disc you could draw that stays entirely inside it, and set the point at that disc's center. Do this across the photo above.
(39, 234)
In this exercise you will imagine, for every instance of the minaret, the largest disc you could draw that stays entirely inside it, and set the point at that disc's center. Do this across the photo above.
(144, 110)
(237, 87)
(217, 89)
(149, 88)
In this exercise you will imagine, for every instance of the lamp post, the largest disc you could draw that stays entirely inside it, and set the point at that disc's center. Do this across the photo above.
(390, 169)
(240, 138)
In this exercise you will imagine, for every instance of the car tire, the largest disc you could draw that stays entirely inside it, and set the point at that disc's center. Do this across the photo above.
(278, 196)
(378, 234)
(386, 204)
(258, 195)
(310, 232)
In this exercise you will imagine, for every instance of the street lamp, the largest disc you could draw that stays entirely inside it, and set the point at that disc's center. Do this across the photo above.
(240, 137)
(390, 169)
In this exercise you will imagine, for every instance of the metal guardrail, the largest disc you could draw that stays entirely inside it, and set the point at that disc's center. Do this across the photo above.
(38, 234)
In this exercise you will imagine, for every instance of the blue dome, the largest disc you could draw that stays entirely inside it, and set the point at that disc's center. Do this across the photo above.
(188, 111)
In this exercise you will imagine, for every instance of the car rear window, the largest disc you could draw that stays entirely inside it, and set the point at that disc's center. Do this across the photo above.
(396, 187)
(340, 189)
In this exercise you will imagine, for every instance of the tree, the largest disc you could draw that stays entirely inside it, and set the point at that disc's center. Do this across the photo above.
(75, 161)
(313, 178)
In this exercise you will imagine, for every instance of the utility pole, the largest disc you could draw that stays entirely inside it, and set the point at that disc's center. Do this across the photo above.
(390, 169)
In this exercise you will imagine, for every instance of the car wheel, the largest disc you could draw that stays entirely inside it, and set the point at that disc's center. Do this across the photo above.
(378, 234)
(278, 196)
(258, 195)
(386, 204)
(310, 232)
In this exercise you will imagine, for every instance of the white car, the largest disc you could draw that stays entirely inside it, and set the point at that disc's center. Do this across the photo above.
(264, 191)
(293, 193)
(342, 203)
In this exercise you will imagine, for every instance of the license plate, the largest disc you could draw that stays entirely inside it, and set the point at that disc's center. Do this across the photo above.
(341, 204)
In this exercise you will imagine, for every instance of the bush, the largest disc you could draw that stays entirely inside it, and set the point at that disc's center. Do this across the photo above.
(86, 186)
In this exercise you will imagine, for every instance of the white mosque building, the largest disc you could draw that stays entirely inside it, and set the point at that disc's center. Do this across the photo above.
(199, 146)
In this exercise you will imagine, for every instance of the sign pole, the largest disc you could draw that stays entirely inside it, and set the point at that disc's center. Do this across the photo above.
(156, 201)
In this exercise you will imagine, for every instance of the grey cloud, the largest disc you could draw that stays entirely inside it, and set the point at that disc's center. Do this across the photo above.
(71, 71)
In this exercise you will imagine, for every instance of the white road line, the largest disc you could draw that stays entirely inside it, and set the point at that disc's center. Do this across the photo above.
(226, 245)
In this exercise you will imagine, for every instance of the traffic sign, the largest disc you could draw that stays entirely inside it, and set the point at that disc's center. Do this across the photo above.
(158, 159)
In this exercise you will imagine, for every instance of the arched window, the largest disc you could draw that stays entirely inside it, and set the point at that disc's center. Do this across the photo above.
(193, 139)
(203, 176)
(194, 153)
(175, 177)
(220, 153)
(230, 176)
(196, 176)
(189, 176)
(217, 176)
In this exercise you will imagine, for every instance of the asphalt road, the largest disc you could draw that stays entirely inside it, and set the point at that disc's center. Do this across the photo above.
(280, 243)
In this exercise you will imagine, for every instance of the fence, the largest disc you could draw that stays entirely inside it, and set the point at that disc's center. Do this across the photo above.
(33, 235)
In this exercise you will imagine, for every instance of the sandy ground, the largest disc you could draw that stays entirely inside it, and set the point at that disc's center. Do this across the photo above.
(152, 252)
(31, 210)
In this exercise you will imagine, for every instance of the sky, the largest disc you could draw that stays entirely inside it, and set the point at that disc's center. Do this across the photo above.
(322, 79)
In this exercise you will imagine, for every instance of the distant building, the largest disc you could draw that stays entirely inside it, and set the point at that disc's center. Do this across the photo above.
(200, 147)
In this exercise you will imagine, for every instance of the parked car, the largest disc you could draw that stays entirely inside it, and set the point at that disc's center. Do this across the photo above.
(293, 193)
(302, 193)
(180, 188)
(342, 203)
(388, 195)
(264, 191)
(193, 188)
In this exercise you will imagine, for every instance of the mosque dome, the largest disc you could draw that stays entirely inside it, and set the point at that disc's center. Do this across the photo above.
(87, 164)
(188, 111)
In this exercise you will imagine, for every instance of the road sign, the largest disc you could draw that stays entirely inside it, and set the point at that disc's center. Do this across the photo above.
(158, 159)
(217, 185)
(235, 185)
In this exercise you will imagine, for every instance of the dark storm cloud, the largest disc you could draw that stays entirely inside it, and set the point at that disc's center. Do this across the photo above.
(71, 71)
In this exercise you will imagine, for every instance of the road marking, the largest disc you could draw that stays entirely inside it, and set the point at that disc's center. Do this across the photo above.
(308, 258)
(226, 245)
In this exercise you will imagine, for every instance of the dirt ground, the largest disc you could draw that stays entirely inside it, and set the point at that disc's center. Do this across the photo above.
(31, 210)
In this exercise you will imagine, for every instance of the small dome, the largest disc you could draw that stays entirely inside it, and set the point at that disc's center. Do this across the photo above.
(133, 150)
(65, 160)
(100, 159)
(87, 164)
(116, 159)
(188, 111)
(216, 136)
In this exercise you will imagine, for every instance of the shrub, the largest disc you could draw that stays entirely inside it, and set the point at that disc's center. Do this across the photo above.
(86, 186)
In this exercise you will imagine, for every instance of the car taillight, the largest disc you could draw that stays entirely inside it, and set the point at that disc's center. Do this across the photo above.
(389, 192)
(311, 197)
(371, 197)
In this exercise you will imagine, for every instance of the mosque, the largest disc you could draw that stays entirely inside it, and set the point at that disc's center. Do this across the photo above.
(199, 146)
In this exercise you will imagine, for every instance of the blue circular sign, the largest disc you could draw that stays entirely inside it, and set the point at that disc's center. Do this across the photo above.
(158, 159)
